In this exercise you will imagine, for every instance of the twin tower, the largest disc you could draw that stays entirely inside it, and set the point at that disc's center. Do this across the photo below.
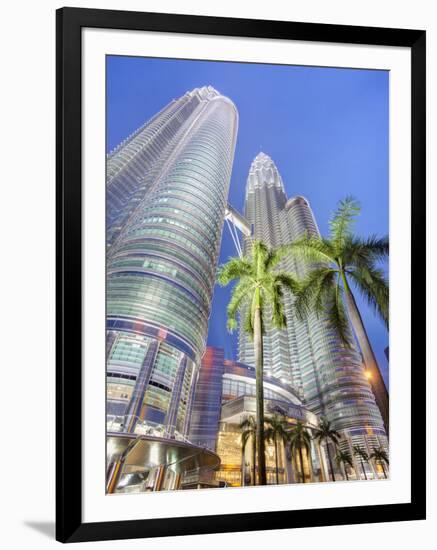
(167, 189)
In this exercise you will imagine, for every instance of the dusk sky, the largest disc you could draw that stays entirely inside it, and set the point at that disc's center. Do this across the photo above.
(326, 129)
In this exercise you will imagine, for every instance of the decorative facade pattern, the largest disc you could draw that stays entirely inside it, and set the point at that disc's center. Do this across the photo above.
(307, 354)
(167, 192)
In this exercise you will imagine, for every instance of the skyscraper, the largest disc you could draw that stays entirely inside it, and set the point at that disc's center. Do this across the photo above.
(224, 397)
(167, 188)
(307, 354)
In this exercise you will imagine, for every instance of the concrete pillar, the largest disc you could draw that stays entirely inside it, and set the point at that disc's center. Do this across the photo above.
(113, 476)
(177, 482)
(187, 420)
(133, 410)
(116, 467)
(159, 478)
(171, 417)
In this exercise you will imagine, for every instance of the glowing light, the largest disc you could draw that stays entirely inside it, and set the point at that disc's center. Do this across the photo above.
(368, 374)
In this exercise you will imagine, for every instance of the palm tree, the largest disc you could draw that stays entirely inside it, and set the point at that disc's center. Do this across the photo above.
(248, 427)
(276, 431)
(363, 456)
(380, 456)
(344, 458)
(259, 289)
(299, 438)
(335, 262)
(329, 435)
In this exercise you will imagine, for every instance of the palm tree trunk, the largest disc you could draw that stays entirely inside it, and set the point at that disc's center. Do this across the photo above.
(310, 463)
(331, 467)
(276, 461)
(345, 472)
(253, 459)
(258, 349)
(301, 464)
(364, 470)
(383, 469)
(289, 464)
(376, 379)
(243, 465)
(321, 461)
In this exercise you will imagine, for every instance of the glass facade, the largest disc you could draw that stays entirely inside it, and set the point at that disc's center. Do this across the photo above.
(220, 382)
(167, 188)
(307, 354)
(224, 396)
(206, 410)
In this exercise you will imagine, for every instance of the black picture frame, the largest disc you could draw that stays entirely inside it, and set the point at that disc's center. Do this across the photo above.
(69, 525)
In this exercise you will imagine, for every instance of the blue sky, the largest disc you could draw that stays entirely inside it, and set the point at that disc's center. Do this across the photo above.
(325, 128)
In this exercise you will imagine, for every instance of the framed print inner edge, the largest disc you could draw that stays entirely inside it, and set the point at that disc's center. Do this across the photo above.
(70, 525)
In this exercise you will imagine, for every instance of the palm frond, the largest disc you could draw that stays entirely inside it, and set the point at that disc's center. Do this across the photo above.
(248, 312)
(259, 286)
(273, 297)
(326, 433)
(277, 422)
(384, 456)
(273, 285)
(269, 434)
(245, 436)
(313, 291)
(325, 288)
(336, 315)
(298, 437)
(380, 455)
(358, 451)
(288, 281)
(248, 422)
(312, 250)
(248, 322)
(357, 251)
(274, 257)
(341, 222)
(279, 319)
(321, 292)
(373, 285)
(343, 457)
(240, 294)
(260, 255)
(234, 268)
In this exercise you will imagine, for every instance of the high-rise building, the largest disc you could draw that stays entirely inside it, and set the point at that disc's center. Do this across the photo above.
(167, 188)
(307, 354)
(224, 396)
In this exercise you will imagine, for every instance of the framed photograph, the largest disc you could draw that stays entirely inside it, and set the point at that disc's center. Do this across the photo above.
(241, 274)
